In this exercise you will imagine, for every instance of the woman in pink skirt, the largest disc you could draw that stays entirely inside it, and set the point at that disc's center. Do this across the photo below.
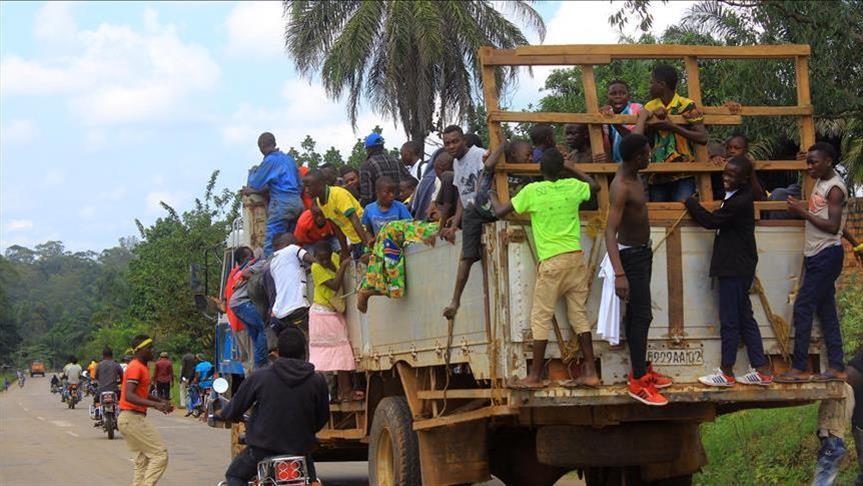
(329, 347)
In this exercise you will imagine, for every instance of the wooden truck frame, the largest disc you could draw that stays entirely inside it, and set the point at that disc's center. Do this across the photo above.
(436, 409)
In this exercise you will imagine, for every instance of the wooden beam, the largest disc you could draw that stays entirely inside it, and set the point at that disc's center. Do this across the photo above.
(458, 418)
(353, 434)
(674, 259)
(411, 384)
(659, 168)
(693, 86)
(509, 57)
(597, 144)
(457, 393)
(489, 90)
(495, 115)
(669, 51)
(760, 110)
(806, 123)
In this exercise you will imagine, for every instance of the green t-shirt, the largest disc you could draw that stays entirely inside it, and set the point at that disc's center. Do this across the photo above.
(553, 208)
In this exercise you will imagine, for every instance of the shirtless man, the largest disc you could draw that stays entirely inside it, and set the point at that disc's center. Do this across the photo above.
(627, 237)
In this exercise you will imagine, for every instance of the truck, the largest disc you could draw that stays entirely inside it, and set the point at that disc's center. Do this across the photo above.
(437, 410)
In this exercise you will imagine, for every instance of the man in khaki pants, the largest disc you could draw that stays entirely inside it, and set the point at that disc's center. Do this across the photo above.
(141, 437)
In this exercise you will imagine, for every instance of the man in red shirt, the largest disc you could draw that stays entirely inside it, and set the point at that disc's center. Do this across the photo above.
(313, 226)
(164, 376)
(151, 455)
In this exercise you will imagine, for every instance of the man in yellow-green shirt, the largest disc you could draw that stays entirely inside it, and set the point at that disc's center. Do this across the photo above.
(340, 207)
(553, 206)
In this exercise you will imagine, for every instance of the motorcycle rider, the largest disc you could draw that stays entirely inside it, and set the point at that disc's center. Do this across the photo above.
(204, 375)
(109, 374)
(55, 382)
(72, 371)
(291, 404)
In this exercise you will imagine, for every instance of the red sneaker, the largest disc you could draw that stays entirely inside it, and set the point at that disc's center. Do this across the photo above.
(645, 392)
(659, 380)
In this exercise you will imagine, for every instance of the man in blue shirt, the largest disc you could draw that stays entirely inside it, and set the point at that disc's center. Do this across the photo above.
(204, 372)
(277, 174)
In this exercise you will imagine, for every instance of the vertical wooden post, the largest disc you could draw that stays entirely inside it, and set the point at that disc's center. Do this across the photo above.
(693, 82)
(806, 123)
(674, 260)
(597, 146)
(489, 90)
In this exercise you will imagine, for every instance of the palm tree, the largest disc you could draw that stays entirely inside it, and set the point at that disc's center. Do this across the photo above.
(410, 60)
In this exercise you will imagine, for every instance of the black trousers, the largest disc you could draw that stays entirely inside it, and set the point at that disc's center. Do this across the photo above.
(638, 266)
(163, 390)
(245, 466)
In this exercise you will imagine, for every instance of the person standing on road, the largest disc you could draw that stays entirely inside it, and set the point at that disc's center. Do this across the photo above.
(151, 454)
(289, 404)
(187, 372)
(164, 376)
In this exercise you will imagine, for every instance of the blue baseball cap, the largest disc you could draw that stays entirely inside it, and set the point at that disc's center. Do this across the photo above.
(373, 139)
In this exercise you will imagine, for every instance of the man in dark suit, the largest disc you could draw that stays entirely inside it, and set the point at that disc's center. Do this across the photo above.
(733, 264)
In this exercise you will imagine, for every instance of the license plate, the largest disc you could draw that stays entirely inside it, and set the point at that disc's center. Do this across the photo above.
(676, 357)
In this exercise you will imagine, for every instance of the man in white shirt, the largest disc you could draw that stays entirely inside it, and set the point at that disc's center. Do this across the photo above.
(412, 157)
(467, 165)
(291, 306)
(73, 371)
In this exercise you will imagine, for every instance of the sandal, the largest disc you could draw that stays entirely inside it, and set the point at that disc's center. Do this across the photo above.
(829, 375)
(520, 384)
(793, 377)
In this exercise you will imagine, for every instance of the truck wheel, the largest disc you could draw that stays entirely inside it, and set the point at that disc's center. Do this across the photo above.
(394, 449)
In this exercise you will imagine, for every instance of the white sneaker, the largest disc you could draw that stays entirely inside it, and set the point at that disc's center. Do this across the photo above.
(717, 378)
(754, 377)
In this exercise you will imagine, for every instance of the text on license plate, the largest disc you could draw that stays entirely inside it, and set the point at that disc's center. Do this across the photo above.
(676, 357)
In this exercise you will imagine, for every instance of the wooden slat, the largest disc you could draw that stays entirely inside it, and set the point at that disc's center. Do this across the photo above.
(591, 103)
(509, 57)
(664, 168)
(458, 393)
(341, 434)
(458, 418)
(670, 51)
(693, 85)
(489, 90)
(760, 110)
(551, 117)
(806, 123)
(674, 258)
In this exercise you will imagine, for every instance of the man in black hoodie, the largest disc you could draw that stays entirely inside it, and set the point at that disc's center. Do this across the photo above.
(291, 404)
(733, 264)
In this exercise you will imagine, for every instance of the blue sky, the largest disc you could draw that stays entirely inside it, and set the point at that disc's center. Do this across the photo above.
(108, 108)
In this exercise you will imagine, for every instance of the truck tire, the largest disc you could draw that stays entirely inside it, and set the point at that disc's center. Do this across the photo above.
(394, 449)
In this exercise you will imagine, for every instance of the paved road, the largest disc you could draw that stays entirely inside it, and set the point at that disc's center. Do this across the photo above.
(43, 442)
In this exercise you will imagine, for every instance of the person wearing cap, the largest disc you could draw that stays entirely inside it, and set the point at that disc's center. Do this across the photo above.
(151, 454)
(163, 375)
(378, 163)
(279, 176)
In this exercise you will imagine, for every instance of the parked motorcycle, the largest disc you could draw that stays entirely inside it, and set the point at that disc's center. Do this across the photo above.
(274, 470)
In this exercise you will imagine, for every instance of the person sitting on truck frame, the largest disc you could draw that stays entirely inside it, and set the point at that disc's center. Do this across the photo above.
(340, 207)
(627, 240)
(672, 142)
(735, 257)
(617, 99)
(445, 196)
(351, 180)
(278, 174)
(825, 213)
(289, 404)
(467, 165)
(480, 212)
(329, 346)
(542, 137)
(385, 208)
(553, 207)
(313, 227)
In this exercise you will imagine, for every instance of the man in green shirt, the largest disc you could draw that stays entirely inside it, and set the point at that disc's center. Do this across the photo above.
(553, 206)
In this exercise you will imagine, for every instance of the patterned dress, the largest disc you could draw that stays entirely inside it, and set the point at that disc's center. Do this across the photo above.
(385, 274)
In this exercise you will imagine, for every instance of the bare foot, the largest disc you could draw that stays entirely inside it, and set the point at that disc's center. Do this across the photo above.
(450, 311)
(363, 300)
(528, 383)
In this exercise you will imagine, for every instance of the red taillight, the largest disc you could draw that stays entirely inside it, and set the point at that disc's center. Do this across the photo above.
(288, 470)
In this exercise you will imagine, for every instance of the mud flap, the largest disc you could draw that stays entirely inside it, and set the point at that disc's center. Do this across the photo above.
(454, 455)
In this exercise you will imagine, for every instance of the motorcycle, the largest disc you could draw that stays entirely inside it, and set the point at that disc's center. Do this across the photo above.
(73, 395)
(107, 410)
(198, 400)
(90, 388)
(274, 470)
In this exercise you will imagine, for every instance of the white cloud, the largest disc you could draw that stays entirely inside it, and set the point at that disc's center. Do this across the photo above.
(116, 74)
(54, 177)
(56, 24)
(19, 225)
(256, 29)
(18, 131)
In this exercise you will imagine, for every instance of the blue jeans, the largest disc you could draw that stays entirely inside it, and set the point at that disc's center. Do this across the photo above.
(677, 191)
(817, 294)
(248, 313)
(282, 217)
(829, 459)
(736, 322)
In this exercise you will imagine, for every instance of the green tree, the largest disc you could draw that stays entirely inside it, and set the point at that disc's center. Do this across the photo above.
(408, 60)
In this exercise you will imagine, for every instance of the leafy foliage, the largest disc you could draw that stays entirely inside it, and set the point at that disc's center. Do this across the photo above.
(409, 60)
